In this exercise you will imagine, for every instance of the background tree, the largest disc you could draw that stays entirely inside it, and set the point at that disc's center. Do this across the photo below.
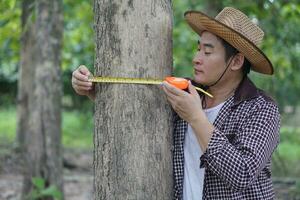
(132, 156)
(40, 91)
(27, 69)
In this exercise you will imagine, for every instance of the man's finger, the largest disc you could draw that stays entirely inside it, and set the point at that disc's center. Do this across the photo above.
(172, 98)
(80, 76)
(168, 93)
(172, 89)
(81, 83)
(83, 88)
(84, 70)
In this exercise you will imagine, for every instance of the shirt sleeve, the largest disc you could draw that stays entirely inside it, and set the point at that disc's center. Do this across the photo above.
(240, 164)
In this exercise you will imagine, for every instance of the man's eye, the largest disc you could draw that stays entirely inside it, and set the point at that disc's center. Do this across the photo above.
(207, 53)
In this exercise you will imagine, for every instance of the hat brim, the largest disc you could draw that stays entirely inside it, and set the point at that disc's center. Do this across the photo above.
(200, 22)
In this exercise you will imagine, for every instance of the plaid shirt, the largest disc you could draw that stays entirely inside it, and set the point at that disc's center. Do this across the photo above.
(237, 160)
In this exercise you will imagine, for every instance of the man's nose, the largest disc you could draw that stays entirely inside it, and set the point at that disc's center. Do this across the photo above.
(198, 59)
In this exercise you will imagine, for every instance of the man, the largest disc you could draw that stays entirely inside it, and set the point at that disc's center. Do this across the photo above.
(222, 145)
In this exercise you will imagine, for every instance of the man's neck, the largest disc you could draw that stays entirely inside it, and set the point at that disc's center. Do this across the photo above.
(221, 92)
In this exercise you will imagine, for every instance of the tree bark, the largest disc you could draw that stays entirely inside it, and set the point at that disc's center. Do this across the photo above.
(40, 91)
(27, 67)
(133, 123)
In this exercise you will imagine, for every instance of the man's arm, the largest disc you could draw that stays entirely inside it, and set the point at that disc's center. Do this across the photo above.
(240, 164)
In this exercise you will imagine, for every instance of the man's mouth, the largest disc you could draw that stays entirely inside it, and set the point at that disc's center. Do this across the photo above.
(197, 71)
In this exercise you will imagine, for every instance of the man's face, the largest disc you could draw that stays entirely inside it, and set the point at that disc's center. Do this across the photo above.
(209, 61)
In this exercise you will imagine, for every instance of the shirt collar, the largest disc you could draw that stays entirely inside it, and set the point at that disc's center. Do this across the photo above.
(245, 91)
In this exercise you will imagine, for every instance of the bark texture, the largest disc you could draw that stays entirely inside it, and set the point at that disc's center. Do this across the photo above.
(40, 91)
(27, 63)
(133, 123)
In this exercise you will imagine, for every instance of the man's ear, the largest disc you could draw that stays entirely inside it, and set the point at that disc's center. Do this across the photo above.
(237, 62)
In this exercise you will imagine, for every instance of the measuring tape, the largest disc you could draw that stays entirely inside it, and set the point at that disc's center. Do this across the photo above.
(180, 83)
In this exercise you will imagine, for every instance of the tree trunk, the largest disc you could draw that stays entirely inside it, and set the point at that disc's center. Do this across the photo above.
(40, 91)
(133, 123)
(28, 63)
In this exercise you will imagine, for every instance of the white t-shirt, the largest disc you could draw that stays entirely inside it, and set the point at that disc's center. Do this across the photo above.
(193, 175)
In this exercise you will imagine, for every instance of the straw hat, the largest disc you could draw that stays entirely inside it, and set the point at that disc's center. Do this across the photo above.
(238, 30)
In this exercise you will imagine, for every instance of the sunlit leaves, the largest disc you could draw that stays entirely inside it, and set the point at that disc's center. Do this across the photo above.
(9, 39)
(78, 43)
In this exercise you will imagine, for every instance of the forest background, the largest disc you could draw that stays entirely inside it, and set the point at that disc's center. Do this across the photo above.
(279, 19)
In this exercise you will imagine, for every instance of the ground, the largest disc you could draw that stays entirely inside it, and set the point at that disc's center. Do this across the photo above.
(78, 177)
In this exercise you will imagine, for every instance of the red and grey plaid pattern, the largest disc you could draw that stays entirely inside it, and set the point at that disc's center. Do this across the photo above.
(238, 158)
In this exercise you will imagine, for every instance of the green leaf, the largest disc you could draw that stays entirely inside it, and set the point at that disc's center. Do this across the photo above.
(39, 183)
(12, 4)
(52, 191)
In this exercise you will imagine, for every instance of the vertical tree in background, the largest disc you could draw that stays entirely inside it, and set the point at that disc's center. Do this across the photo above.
(28, 64)
(133, 125)
(213, 7)
(40, 91)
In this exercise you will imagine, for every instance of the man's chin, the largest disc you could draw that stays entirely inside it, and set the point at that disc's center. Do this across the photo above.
(199, 81)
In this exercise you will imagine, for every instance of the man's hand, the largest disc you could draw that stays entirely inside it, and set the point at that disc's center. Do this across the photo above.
(81, 84)
(187, 105)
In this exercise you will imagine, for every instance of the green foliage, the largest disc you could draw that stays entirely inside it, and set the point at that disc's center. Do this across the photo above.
(289, 143)
(283, 47)
(10, 31)
(78, 129)
(78, 44)
(185, 41)
(7, 124)
(286, 157)
(41, 191)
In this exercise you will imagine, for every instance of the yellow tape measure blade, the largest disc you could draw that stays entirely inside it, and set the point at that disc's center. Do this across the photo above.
(203, 91)
(125, 80)
(101, 79)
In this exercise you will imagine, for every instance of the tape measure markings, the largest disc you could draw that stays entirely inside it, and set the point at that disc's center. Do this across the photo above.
(101, 79)
(125, 80)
